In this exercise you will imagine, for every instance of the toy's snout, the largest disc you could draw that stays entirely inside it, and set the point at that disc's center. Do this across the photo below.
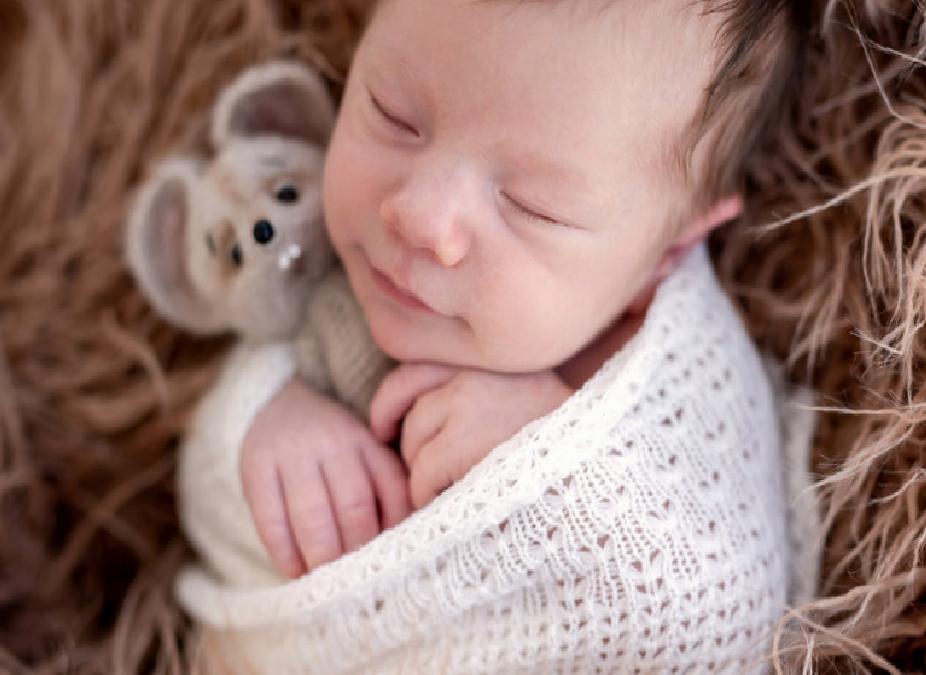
(265, 233)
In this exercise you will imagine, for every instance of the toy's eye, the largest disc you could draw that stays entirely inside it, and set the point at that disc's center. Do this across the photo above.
(236, 255)
(263, 232)
(288, 194)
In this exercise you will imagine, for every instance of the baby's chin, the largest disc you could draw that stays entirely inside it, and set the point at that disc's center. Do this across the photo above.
(400, 346)
(508, 358)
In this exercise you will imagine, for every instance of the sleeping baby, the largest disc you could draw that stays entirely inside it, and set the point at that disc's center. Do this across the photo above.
(518, 194)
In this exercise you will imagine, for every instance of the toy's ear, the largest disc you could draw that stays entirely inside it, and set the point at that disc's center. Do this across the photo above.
(283, 98)
(157, 242)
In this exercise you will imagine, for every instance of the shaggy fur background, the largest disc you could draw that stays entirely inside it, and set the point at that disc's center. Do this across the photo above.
(94, 390)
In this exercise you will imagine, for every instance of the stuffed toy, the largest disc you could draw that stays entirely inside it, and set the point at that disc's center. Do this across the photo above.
(236, 242)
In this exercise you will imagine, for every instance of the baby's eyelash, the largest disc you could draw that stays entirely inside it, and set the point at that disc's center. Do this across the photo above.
(392, 119)
(529, 213)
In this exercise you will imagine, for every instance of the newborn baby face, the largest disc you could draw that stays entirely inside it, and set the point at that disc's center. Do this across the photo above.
(503, 180)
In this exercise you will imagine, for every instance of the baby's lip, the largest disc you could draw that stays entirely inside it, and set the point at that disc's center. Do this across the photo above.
(402, 288)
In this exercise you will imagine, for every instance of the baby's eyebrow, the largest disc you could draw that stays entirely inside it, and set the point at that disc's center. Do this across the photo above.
(533, 164)
(388, 56)
(390, 62)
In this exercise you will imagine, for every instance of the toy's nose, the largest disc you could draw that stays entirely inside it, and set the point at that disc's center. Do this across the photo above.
(263, 232)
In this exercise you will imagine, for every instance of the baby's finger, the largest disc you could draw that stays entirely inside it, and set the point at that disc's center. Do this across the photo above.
(429, 476)
(422, 424)
(263, 490)
(311, 516)
(399, 390)
(390, 481)
(352, 495)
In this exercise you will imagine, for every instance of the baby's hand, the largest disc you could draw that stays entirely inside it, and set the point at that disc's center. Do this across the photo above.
(456, 417)
(313, 476)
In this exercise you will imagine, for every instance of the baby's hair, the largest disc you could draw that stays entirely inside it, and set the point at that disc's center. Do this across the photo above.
(763, 45)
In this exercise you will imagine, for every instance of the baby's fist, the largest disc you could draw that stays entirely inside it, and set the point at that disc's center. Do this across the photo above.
(454, 417)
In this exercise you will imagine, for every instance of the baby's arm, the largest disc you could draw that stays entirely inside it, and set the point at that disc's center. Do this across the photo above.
(455, 417)
(317, 483)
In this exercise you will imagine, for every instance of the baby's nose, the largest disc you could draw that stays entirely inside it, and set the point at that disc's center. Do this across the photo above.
(263, 232)
(433, 221)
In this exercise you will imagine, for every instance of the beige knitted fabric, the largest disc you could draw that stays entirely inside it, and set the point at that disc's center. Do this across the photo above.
(639, 527)
(335, 351)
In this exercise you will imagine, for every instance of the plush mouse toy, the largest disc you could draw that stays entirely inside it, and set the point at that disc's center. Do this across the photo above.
(237, 242)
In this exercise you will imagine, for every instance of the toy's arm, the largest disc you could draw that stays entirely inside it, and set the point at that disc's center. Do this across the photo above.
(355, 364)
(310, 359)
(213, 508)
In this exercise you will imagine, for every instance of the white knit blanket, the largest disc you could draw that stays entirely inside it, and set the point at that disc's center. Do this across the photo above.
(642, 525)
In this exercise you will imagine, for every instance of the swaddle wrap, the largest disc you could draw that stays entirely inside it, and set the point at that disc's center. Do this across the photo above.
(640, 525)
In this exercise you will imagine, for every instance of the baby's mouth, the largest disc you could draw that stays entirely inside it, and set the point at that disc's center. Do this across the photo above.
(397, 292)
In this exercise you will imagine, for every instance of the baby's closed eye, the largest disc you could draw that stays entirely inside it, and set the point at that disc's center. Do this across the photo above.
(530, 212)
(393, 119)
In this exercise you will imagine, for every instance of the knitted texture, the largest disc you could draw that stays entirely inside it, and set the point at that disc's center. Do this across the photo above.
(335, 338)
(641, 525)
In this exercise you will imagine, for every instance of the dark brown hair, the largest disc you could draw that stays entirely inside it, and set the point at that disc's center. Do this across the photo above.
(763, 45)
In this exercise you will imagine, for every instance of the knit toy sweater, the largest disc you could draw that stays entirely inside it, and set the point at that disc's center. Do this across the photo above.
(640, 527)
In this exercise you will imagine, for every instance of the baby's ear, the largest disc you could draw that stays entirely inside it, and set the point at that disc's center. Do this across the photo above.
(157, 242)
(697, 230)
(284, 98)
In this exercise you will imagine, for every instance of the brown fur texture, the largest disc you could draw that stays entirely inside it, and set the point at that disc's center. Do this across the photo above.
(840, 291)
(95, 390)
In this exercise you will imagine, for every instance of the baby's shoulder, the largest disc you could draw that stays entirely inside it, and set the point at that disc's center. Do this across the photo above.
(692, 364)
(703, 386)
(692, 429)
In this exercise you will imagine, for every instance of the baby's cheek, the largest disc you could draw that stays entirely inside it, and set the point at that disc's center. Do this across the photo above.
(337, 216)
(525, 339)
(554, 323)
(344, 186)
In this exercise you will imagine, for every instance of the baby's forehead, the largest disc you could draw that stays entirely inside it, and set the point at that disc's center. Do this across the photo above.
(565, 67)
(646, 42)
(619, 39)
